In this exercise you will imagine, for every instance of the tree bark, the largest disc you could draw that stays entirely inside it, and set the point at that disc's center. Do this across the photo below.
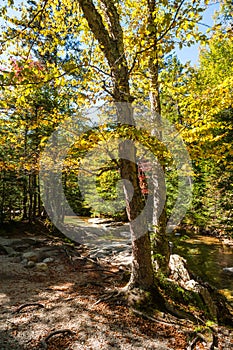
(25, 177)
(159, 217)
(112, 45)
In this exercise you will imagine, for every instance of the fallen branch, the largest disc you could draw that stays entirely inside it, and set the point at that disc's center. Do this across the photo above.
(62, 331)
(26, 305)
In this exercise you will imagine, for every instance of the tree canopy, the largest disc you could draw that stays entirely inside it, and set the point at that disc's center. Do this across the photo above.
(60, 58)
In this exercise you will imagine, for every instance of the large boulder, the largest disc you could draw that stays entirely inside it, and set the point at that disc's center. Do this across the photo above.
(178, 269)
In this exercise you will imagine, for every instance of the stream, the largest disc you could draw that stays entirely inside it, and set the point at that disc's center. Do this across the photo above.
(206, 256)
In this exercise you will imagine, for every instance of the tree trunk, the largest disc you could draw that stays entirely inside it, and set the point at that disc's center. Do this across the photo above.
(2, 196)
(159, 217)
(35, 196)
(30, 191)
(25, 196)
(25, 177)
(111, 42)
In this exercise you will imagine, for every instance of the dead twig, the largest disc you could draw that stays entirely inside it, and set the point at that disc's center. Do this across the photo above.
(27, 305)
(62, 331)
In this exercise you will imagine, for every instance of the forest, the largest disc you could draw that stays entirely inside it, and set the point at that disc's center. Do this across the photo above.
(104, 132)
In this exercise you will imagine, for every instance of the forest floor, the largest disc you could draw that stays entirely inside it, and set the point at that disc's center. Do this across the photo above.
(70, 303)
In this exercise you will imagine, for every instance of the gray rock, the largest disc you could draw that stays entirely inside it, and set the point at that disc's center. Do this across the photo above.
(47, 252)
(48, 260)
(178, 269)
(10, 251)
(24, 262)
(32, 256)
(228, 270)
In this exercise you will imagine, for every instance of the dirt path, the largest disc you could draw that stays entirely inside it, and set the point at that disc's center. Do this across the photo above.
(72, 293)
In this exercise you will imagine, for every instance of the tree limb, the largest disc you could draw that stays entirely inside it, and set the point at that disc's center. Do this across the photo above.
(28, 25)
(62, 331)
(26, 305)
(98, 29)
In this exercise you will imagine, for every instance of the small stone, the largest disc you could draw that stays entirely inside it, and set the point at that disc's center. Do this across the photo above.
(24, 262)
(48, 260)
(42, 266)
(228, 269)
(30, 264)
(32, 256)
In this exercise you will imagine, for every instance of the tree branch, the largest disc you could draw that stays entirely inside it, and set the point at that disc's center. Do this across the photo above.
(113, 20)
(28, 25)
(98, 29)
(172, 22)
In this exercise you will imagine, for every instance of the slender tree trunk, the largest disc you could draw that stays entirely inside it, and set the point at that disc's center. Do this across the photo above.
(159, 217)
(25, 196)
(25, 178)
(39, 201)
(3, 196)
(35, 182)
(54, 202)
(35, 196)
(30, 190)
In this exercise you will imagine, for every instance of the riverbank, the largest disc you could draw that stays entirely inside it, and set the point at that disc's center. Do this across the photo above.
(69, 301)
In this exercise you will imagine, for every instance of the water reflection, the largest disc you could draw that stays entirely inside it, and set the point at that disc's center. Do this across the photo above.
(207, 258)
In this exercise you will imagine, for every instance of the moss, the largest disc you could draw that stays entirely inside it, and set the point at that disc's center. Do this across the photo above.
(146, 300)
(189, 300)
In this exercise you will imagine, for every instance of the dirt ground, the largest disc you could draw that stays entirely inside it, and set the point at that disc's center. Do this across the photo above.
(74, 307)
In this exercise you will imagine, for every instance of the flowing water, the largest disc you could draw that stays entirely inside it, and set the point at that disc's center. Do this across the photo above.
(206, 256)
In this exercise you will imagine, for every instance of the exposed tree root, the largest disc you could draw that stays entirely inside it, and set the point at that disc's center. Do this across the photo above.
(27, 305)
(43, 342)
(181, 314)
(143, 314)
(115, 294)
(210, 345)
